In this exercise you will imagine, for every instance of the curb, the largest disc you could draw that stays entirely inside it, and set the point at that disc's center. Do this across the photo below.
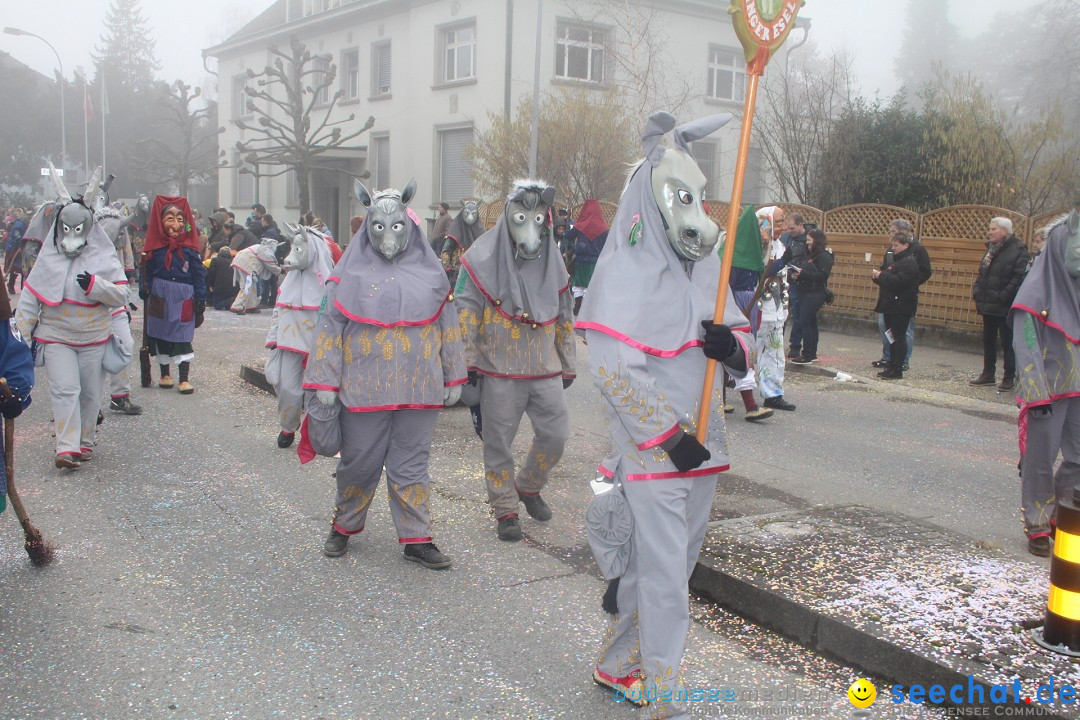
(256, 377)
(822, 633)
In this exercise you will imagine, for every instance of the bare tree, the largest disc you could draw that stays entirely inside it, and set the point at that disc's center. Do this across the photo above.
(293, 85)
(185, 147)
(801, 100)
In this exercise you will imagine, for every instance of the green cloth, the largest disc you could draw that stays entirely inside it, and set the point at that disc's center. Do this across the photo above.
(748, 243)
(583, 272)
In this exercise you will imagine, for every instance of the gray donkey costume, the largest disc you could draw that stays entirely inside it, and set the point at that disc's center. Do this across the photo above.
(517, 322)
(67, 310)
(643, 319)
(386, 358)
(116, 227)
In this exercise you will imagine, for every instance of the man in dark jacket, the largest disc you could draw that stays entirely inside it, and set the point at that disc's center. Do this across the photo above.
(219, 280)
(898, 298)
(922, 259)
(1000, 275)
(795, 241)
(270, 229)
(241, 238)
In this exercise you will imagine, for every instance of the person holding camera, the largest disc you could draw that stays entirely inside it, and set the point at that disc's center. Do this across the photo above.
(811, 278)
(898, 298)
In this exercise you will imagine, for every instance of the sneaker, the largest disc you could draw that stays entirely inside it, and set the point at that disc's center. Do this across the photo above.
(336, 544)
(510, 529)
(778, 403)
(285, 439)
(803, 360)
(67, 462)
(880, 363)
(427, 555)
(984, 379)
(758, 414)
(125, 406)
(890, 374)
(185, 387)
(166, 382)
(630, 686)
(1039, 546)
(793, 352)
(536, 507)
(1006, 384)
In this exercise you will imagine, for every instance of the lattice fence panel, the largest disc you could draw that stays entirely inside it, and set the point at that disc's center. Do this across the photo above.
(969, 222)
(809, 214)
(866, 219)
(490, 212)
(1039, 222)
(717, 210)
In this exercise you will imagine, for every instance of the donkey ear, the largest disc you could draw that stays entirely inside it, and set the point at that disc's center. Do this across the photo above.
(361, 193)
(463, 203)
(58, 185)
(1073, 221)
(292, 229)
(548, 195)
(93, 188)
(409, 191)
(659, 124)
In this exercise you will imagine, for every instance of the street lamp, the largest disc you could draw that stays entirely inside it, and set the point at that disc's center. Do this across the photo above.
(63, 117)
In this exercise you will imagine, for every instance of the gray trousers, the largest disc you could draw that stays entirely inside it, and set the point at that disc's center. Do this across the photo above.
(1040, 486)
(649, 633)
(120, 383)
(502, 404)
(76, 378)
(290, 392)
(400, 441)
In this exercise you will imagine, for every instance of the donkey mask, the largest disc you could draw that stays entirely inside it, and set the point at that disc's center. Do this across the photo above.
(388, 223)
(528, 212)
(299, 257)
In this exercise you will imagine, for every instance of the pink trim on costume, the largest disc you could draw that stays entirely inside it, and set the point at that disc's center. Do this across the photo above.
(565, 288)
(347, 532)
(118, 311)
(462, 381)
(609, 474)
(293, 350)
(626, 681)
(507, 515)
(526, 494)
(117, 397)
(698, 472)
(409, 541)
(498, 308)
(86, 451)
(287, 306)
(68, 452)
(402, 323)
(270, 346)
(1038, 535)
(90, 287)
(1038, 316)
(516, 377)
(121, 282)
(403, 406)
(35, 293)
(75, 345)
(634, 343)
(333, 278)
(659, 438)
(312, 386)
(76, 302)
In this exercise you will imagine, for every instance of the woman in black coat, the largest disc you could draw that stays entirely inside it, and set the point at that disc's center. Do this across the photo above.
(898, 299)
(812, 278)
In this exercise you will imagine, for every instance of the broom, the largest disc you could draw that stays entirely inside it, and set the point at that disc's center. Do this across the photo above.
(144, 351)
(39, 549)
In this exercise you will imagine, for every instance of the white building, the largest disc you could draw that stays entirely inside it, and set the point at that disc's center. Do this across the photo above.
(430, 71)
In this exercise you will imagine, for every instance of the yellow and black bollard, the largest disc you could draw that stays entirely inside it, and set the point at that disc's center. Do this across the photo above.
(1061, 628)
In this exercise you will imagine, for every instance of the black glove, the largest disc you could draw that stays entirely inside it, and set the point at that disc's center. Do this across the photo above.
(567, 382)
(1042, 411)
(688, 453)
(84, 279)
(720, 343)
(11, 408)
(144, 292)
(473, 377)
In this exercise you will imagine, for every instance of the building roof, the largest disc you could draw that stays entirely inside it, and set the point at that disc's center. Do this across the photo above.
(8, 63)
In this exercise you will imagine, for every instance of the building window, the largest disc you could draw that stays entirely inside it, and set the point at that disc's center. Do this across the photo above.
(239, 96)
(380, 69)
(243, 182)
(754, 182)
(321, 65)
(350, 74)
(579, 52)
(379, 161)
(727, 75)
(292, 190)
(704, 154)
(455, 171)
(459, 53)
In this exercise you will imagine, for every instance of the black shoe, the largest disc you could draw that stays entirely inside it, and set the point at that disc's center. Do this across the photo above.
(793, 353)
(803, 360)
(880, 363)
(125, 406)
(100, 417)
(510, 529)
(905, 367)
(285, 439)
(1006, 384)
(984, 379)
(1039, 546)
(536, 507)
(336, 544)
(427, 555)
(890, 374)
(778, 403)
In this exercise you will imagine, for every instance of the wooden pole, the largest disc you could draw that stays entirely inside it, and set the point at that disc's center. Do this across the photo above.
(729, 246)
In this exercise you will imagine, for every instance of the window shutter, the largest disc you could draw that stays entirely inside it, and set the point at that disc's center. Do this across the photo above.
(384, 70)
(456, 181)
(382, 162)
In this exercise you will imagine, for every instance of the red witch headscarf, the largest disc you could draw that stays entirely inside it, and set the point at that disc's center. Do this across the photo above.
(155, 233)
(590, 222)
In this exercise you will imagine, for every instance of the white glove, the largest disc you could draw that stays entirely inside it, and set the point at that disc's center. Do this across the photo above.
(326, 397)
(451, 395)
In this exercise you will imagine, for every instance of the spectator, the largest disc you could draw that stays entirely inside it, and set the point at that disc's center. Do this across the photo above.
(240, 238)
(563, 243)
(1000, 275)
(354, 225)
(13, 247)
(922, 259)
(811, 280)
(254, 220)
(795, 240)
(220, 280)
(898, 298)
(268, 287)
(442, 224)
(587, 238)
(218, 236)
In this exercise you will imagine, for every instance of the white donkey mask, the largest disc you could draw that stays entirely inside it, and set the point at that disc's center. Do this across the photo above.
(299, 257)
(76, 217)
(388, 223)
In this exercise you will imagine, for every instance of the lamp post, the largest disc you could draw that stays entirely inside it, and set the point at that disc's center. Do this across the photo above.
(63, 116)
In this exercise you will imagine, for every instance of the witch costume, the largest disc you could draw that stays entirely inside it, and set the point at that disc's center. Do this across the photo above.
(643, 318)
(292, 329)
(1046, 339)
(386, 358)
(67, 311)
(517, 322)
(173, 283)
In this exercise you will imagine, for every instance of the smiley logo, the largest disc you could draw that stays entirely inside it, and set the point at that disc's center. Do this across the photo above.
(862, 693)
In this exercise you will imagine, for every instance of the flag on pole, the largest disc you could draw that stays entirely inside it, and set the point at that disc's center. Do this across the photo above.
(88, 105)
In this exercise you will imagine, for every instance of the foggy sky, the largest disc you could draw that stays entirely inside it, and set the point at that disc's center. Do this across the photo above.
(871, 30)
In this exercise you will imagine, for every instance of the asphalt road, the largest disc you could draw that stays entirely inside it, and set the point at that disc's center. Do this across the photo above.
(190, 581)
